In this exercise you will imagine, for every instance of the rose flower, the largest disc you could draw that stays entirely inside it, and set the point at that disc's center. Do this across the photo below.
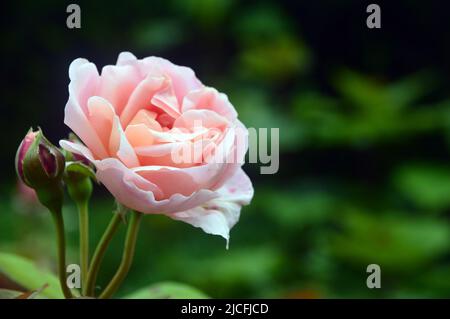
(160, 140)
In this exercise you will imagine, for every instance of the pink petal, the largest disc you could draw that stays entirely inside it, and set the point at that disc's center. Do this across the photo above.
(134, 191)
(170, 181)
(210, 99)
(139, 135)
(141, 97)
(101, 116)
(147, 118)
(120, 146)
(117, 83)
(127, 188)
(183, 78)
(201, 118)
(166, 100)
(219, 215)
(84, 80)
(77, 149)
(126, 58)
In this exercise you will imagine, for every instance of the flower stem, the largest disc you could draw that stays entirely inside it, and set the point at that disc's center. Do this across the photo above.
(83, 216)
(61, 244)
(88, 289)
(127, 257)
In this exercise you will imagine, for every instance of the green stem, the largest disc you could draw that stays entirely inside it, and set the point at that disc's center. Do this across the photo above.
(88, 289)
(84, 240)
(61, 243)
(127, 257)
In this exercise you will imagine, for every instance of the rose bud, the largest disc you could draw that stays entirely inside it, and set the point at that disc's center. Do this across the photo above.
(78, 178)
(40, 165)
(23, 148)
(78, 174)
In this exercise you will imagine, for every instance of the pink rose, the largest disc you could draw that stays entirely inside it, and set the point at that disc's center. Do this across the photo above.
(137, 116)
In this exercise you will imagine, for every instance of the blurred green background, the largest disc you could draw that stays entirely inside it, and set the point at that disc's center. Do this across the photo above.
(364, 118)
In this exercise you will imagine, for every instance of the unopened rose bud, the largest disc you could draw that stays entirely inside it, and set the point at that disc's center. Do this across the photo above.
(40, 165)
(78, 178)
(23, 148)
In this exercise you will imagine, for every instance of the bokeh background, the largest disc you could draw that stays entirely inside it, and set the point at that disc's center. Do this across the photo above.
(364, 118)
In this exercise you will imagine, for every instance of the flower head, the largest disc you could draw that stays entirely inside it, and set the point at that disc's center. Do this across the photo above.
(160, 140)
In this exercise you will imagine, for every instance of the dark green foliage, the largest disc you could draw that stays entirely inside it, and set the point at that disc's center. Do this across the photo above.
(364, 120)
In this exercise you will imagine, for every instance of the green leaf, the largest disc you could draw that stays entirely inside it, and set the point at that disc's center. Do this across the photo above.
(220, 273)
(25, 273)
(363, 92)
(152, 35)
(427, 186)
(294, 210)
(167, 290)
(258, 111)
(398, 242)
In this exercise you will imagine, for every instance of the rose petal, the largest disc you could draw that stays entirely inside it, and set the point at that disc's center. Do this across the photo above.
(117, 83)
(77, 149)
(210, 99)
(219, 215)
(141, 97)
(201, 118)
(170, 181)
(120, 146)
(166, 100)
(101, 116)
(147, 118)
(126, 58)
(139, 135)
(84, 80)
(124, 184)
(183, 78)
